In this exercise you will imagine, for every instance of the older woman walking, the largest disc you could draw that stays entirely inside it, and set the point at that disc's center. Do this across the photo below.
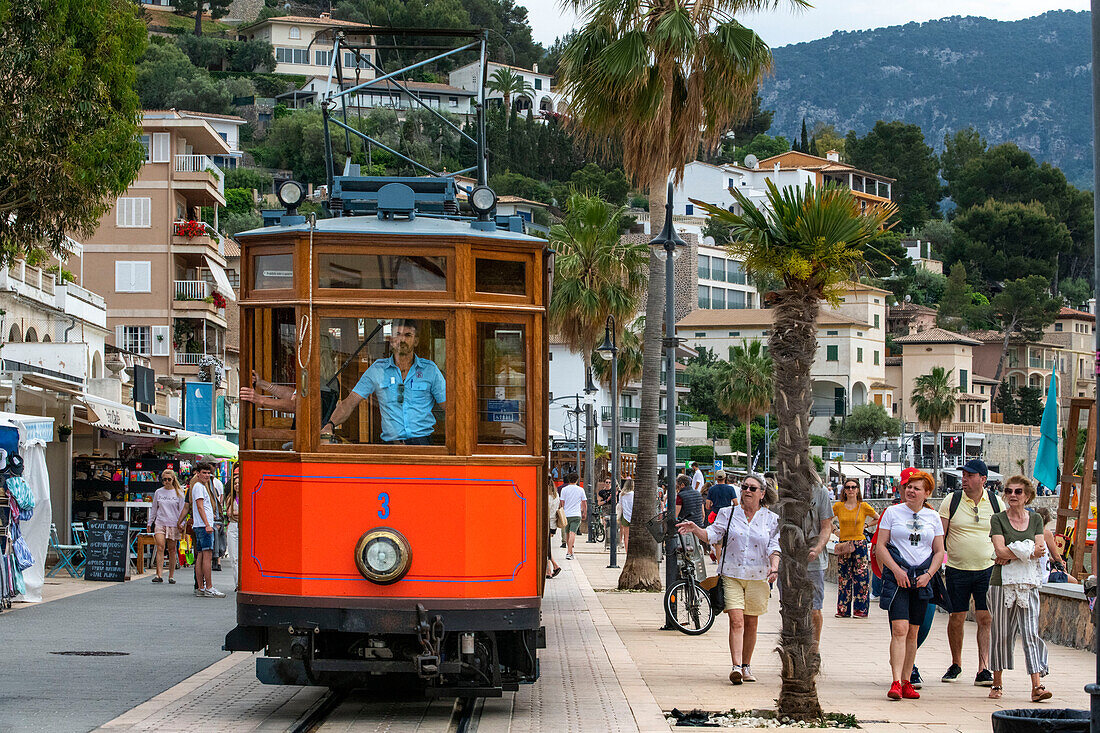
(749, 535)
(910, 551)
(853, 572)
(164, 516)
(1013, 593)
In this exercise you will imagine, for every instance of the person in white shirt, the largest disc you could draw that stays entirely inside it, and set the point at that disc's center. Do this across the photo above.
(626, 506)
(202, 513)
(575, 505)
(697, 477)
(217, 500)
(749, 561)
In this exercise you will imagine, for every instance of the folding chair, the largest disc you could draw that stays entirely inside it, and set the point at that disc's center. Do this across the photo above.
(66, 555)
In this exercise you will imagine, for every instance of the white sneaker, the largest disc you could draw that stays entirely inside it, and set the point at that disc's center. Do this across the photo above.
(200, 592)
(214, 593)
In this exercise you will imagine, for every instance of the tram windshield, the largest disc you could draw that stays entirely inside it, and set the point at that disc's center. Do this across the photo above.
(272, 390)
(382, 381)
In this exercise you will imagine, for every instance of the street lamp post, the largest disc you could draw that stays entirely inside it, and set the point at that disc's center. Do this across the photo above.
(590, 453)
(1094, 688)
(609, 350)
(667, 247)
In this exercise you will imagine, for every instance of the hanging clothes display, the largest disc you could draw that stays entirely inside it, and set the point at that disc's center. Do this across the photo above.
(37, 530)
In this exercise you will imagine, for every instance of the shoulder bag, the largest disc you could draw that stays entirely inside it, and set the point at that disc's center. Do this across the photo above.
(560, 519)
(713, 584)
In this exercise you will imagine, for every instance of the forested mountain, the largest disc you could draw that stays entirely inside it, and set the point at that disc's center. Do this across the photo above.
(1025, 81)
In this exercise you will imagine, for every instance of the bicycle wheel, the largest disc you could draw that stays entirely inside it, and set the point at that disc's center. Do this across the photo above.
(688, 605)
(598, 533)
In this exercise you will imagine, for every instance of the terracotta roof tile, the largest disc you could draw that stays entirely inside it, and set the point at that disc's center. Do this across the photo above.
(758, 317)
(1074, 313)
(936, 335)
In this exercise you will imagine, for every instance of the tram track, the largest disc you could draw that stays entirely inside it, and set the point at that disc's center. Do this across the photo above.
(345, 710)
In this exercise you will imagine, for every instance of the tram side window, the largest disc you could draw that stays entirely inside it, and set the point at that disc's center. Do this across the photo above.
(382, 381)
(502, 384)
(273, 272)
(381, 272)
(507, 277)
(272, 389)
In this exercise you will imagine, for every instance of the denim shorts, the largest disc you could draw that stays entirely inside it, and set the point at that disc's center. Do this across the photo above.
(204, 539)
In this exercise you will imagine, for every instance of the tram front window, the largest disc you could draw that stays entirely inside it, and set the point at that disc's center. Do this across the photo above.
(382, 381)
(502, 384)
(272, 389)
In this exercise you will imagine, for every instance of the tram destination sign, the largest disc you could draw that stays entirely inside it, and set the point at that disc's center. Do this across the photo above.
(108, 550)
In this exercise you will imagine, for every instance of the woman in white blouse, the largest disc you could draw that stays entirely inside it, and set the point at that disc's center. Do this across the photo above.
(749, 561)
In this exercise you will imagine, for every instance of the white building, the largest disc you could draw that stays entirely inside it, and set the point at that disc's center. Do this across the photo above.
(545, 99)
(292, 37)
(228, 128)
(386, 95)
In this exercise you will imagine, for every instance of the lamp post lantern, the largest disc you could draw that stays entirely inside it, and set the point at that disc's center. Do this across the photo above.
(667, 246)
(609, 350)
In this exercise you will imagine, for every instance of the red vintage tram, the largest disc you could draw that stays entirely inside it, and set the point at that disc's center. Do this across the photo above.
(393, 456)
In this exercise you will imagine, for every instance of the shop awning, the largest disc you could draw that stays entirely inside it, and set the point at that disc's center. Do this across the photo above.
(159, 421)
(111, 415)
(957, 473)
(866, 470)
(224, 286)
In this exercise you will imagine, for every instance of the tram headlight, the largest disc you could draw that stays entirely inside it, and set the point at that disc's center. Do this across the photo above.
(482, 199)
(383, 555)
(290, 194)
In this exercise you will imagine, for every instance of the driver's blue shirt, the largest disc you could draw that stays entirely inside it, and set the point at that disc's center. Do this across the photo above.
(405, 404)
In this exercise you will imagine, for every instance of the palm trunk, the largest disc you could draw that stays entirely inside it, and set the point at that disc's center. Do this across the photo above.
(747, 419)
(937, 473)
(641, 571)
(793, 343)
(198, 18)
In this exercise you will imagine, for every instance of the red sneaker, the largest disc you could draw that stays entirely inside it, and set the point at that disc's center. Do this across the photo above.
(895, 691)
(908, 691)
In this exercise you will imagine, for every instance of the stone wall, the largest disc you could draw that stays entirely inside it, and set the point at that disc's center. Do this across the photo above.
(1065, 618)
(685, 273)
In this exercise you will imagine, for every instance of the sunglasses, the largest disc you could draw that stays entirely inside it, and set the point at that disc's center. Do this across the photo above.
(747, 487)
(165, 479)
(1019, 490)
(852, 486)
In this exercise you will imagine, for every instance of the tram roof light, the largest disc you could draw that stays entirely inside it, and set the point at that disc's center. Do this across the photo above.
(290, 195)
(482, 199)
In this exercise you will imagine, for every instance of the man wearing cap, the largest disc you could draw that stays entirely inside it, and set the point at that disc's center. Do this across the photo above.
(966, 523)
(721, 495)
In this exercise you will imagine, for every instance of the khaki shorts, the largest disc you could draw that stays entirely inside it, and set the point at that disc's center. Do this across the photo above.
(750, 596)
(574, 523)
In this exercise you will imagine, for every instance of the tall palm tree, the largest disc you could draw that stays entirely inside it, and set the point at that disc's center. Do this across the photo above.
(808, 240)
(934, 400)
(747, 387)
(509, 83)
(659, 77)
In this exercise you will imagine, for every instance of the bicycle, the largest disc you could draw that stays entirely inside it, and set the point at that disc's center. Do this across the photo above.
(687, 603)
(598, 531)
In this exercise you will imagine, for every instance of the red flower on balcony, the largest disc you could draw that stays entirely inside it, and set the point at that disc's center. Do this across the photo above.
(219, 300)
(190, 229)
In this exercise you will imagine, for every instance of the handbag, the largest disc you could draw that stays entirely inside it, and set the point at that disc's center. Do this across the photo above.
(713, 584)
(560, 520)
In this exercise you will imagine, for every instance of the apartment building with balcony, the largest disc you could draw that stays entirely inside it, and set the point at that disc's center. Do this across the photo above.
(303, 45)
(388, 95)
(541, 99)
(161, 270)
(1075, 332)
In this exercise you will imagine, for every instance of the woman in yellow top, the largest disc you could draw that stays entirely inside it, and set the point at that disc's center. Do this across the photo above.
(853, 570)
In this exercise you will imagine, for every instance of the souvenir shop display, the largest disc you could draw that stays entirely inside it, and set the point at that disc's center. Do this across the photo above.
(16, 505)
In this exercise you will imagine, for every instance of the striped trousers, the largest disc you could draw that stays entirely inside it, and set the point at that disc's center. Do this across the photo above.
(1006, 623)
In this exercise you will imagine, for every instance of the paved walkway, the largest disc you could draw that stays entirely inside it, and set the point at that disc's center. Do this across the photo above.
(691, 672)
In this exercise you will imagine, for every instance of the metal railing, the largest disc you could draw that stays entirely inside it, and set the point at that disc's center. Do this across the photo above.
(192, 289)
(626, 414)
(183, 359)
(1035, 363)
(825, 407)
(681, 379)
(200, 164)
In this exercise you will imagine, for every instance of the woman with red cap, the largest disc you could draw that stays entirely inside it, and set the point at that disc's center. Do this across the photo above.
(910, 552)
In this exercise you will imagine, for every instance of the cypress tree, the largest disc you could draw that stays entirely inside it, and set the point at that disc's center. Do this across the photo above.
(804, 145)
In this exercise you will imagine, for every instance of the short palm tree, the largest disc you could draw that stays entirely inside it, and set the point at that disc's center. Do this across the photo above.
(659, 78)
(934, 400)
(747, 387)
(509, 83)
(809, 240)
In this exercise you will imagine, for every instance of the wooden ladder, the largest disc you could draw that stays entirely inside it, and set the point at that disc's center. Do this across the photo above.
(1083, 483)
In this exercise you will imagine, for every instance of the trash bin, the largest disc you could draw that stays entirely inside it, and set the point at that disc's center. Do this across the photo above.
(1041, 720)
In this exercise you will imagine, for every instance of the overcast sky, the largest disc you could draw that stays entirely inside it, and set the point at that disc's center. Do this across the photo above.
(779, 28)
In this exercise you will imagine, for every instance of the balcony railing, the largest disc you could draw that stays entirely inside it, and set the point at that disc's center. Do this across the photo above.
(193, 289)
(32, 276)
(626, 414)
(1035, 363)
(183, 359)
(825, 407)
(681, 379)
(682, 418)
(200, 164)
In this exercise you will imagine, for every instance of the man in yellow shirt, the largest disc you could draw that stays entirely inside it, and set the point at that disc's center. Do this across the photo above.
(965, 517)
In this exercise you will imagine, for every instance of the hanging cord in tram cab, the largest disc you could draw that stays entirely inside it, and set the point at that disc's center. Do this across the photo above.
(305, 327)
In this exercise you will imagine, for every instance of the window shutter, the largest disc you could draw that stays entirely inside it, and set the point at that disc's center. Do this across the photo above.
(161, 153)
(144, 212)
(160, 341)
(142, 277)
(124, 276)
(120, 337)
(122, 212)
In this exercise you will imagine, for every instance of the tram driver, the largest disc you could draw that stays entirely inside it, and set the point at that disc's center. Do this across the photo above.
(408, 388)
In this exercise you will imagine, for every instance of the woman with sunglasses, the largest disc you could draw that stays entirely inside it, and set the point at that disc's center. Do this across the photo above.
(853, 572)
(1014, 602)
(164, 515)
(910, 551)
(749, 560)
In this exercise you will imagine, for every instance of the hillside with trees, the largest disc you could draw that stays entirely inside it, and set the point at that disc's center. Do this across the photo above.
(938, 75)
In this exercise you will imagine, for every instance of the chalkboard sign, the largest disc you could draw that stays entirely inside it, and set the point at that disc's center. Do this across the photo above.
(108, 550)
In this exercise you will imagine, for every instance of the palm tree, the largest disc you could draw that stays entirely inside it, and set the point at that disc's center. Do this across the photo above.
(659, 77)
(934, 400)
(747, 387)
(509, 83)
(629, 340)
(808, 240)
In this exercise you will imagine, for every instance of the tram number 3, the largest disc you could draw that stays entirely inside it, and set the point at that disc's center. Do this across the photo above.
(384, 511)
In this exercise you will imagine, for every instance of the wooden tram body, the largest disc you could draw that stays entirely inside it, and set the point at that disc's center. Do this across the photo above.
(464, 618)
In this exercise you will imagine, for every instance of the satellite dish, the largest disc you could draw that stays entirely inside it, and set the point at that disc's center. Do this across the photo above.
(751, 161)
(908, 298)
(708, 241)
